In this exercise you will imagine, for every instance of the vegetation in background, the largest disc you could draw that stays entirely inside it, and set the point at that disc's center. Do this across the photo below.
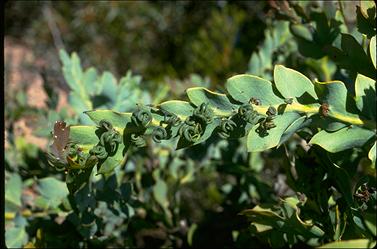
(317, 188)
(153, 39)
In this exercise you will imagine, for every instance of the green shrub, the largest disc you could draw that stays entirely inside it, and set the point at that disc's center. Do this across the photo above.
(176, 173)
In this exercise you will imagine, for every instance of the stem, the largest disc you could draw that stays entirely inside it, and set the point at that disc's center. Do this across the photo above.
(342, 12)
(26, 213)
(55, 32)
(313, 109)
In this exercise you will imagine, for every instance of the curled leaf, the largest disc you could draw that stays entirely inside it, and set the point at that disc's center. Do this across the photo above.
(99, 151)
(158, 134)
(226, 127)
(141, 118)
(138, 140)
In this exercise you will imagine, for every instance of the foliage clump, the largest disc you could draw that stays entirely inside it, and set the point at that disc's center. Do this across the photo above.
(285, 156)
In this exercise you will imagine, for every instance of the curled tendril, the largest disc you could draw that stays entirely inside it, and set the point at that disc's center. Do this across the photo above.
(245, 109)
(191, 133)
(110, 138)
(190, 121)
(138, 140)
(141, 118)
(247, 113)
(226, 127)
(105, 124)
(159, 133)
(268, 123)
(271, 111)
(116, 139)
(171, 119)
(203, 113)
(265, 125)
(99, 151)
(72, 149)
(194, 126)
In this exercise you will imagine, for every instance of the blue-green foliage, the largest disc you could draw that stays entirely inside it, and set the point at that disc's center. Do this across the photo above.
(275, 48)
(314, 188)
(90, 90)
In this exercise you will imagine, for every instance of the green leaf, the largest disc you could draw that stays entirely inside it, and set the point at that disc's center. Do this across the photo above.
(356, 243)
(257, 143)
(292, 128)
(52, 190)
(301, 31)
(128, 93)
(370, 222)
(190, 233)
(310, 48)
(244, 87)
(160, 191)
(180, 108)
(76, 69)
(209, 129)
(72, 70)
(66, 60)
(365, 91)
(74, 77)
(254, 65)
(90, 78)
(218, 102)
(346, 138)
(359, 223)
(372, 50)
(258, 210)
(372, 155)
(112, 162)
(50, 187)
(118, 119)
(288, 222)
(182, 143)
(356, 55)
(256, 161)
(276, 37)
(109, 86)
(306, 229)
(366, 18)
(343, 181)
(79, 106)
(341, 106)
(330, 124)
(365, 5)
(13, 193)
(64, 57)
(15, 237)
(84, 136)
(291, 83)
(265, 216)
(76, 179)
